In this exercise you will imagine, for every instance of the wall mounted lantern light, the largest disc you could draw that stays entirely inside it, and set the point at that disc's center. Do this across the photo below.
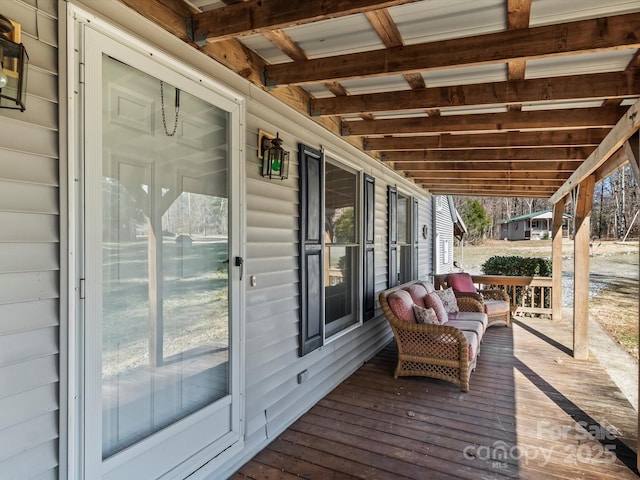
(275, 159)
(14, 63)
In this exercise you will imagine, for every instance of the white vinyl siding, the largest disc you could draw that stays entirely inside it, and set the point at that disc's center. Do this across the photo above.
(425, 245)
(443, 235)
(274, 398)
(30, 258)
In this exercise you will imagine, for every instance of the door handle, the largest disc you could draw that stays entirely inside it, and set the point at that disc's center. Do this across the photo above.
(240, 263)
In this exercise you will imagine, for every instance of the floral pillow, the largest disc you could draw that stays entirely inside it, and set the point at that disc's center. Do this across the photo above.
(432, 300)
(448, 300)
(425, 315)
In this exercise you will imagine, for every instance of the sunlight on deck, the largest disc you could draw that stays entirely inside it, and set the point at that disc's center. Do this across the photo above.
(532, 412)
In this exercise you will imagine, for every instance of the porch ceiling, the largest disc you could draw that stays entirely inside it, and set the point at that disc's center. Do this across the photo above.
(463, 97)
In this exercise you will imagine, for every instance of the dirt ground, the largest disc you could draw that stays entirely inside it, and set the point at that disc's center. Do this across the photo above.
(613, 274)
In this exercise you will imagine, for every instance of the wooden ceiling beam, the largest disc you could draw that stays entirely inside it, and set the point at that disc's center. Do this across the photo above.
(499, 175)
(488, 191)
(541, 120)
(540, 90)
(387, 30)
(518, 16)
(615, 162)
(461, 166)
(593, 35)
(258, 16)
(385, 27)
(547, 185)
(172, 15)
(586, 137)
(493, 155)
(285, 44)
(626, 127)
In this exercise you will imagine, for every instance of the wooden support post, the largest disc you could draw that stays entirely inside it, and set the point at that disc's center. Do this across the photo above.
(556, 253)
(581, 269)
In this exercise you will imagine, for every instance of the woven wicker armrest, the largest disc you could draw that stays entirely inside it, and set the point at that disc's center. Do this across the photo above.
(441, 341)
(473, 295)
(495, 294)
(469, 304)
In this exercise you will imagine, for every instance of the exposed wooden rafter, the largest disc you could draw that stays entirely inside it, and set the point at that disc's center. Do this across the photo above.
(518, 13)
(576, 87)
(585, 137)
(628, 125)
(439, 137)
(490, 166)
(594, 35)
(493, 155)
(259, 16)
(579, 117)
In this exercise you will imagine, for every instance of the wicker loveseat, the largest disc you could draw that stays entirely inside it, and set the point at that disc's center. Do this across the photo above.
(447, 352)
(495, 302)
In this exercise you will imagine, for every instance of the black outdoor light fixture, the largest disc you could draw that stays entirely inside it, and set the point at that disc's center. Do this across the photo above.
(14, 63)
(275, 159)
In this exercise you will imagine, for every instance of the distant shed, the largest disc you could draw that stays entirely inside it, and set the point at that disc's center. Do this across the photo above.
(532, 226)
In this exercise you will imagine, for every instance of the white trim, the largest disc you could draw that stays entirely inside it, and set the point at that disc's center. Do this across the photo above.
(348, 166)
(80, 15)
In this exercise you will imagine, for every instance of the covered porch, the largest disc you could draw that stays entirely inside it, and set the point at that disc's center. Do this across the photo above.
(533, 411)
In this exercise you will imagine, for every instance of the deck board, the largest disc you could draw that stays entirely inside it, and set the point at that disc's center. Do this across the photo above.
(527, 397)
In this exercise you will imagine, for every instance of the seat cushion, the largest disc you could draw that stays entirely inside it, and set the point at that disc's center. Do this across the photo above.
(472, 340)
(475, 316)
(461, 282)
(496, 307)
(401, 304)
(468, 326)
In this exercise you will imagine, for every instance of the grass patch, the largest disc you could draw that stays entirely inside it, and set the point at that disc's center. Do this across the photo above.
(616, 308)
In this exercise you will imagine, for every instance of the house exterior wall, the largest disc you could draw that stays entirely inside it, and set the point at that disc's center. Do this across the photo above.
(517, 230)
(29, 257)
(425, 245)
(33, 316)
(442, 235)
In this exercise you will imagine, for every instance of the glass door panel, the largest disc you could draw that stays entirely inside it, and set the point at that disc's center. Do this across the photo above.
(165, 255)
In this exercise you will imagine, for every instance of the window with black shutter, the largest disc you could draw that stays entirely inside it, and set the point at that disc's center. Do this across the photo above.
(311, 254)
(369, 217)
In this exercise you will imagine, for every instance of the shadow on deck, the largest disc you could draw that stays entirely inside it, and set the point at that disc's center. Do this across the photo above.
(532, 412)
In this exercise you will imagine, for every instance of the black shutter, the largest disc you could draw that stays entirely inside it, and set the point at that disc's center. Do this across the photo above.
(311, 252)
(392, 232)
(369, 306)
(415, 240)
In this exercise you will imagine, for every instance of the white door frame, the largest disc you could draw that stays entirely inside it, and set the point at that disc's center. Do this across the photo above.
(82, 445)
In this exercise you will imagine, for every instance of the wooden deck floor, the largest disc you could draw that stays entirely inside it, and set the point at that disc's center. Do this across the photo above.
(533, 412)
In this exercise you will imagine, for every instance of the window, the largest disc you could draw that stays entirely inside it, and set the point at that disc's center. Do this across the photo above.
(342, 248)
(336, 272)
(402, 237)
(405, 236)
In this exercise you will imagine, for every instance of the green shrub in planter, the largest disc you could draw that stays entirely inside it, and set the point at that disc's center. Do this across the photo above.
(518, 266)
(521, 267)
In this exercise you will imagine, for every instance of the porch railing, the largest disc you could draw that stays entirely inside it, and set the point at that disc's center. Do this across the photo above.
(529, 295)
